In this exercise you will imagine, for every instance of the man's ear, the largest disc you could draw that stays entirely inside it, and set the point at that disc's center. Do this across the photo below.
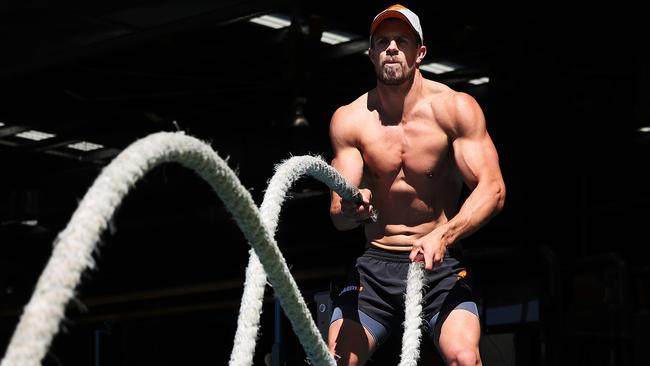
(370, 55)
(422, 51)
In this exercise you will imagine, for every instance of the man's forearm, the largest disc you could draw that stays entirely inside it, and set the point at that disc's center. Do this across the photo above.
(485, 201)
(342, 222)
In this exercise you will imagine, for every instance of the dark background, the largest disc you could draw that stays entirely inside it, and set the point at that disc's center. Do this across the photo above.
(563, 264)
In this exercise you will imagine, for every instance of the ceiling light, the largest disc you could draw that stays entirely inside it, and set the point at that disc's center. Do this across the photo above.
(35, 135)
(334, 38)
(85, 146)
(438, 67)
(479, 81)
(299, 113)
(276, 21)
(29, 222)
(644, 129)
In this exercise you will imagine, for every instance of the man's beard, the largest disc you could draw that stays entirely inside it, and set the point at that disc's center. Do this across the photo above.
(393, 76)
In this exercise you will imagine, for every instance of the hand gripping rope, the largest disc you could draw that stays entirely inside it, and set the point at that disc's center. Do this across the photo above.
(74, 247)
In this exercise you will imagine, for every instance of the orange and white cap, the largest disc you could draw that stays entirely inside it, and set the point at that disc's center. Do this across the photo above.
(398, 11)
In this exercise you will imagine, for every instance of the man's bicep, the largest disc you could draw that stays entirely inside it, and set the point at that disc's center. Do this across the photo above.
(347, 158)
(474, 151)
(349, 162)
(477, 159)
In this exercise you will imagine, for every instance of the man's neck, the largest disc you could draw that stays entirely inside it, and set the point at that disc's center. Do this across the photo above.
(396, 101)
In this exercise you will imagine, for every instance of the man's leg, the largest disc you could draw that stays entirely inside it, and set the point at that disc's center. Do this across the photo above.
(349, 342)
(459, 339)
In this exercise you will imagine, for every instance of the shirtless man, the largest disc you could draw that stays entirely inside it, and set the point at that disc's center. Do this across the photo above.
(409, 144)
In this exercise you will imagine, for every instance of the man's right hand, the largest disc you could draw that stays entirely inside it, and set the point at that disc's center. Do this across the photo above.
(358, 211)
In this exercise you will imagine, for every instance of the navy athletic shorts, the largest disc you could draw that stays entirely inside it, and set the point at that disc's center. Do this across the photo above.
(374, 293)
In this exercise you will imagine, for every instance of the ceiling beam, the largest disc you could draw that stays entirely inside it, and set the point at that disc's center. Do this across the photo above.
(61, 53)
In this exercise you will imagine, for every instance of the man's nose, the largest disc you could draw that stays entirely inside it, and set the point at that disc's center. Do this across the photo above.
(392, 47)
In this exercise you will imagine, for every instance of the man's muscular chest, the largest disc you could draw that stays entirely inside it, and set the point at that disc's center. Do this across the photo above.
(416, 148)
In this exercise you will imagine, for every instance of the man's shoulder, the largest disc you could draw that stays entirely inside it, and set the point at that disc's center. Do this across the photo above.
(442, 98)
(438, 92)
(447, 105)
(356, 108)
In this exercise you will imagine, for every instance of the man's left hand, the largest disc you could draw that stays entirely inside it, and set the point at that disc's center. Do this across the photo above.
(431, 248)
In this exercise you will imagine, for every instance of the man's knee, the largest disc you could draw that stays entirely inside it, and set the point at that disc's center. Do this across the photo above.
(343, 356)
(349, 343)
(464, 357)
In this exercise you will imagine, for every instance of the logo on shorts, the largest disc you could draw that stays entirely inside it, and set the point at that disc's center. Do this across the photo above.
(351, 288)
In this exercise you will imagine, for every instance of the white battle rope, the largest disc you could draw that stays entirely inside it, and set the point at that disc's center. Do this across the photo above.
(251, 308)
(412, 315)
(75, 245)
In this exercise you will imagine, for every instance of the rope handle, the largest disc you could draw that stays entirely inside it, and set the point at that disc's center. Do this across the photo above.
(358, 199)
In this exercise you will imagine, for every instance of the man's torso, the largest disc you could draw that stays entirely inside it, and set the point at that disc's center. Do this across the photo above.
(409, 167)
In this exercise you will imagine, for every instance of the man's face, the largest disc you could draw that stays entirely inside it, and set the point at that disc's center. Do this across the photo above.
(395, 52)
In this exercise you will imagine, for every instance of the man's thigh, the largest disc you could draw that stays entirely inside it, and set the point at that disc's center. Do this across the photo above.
(350, 342)
(460, 332)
